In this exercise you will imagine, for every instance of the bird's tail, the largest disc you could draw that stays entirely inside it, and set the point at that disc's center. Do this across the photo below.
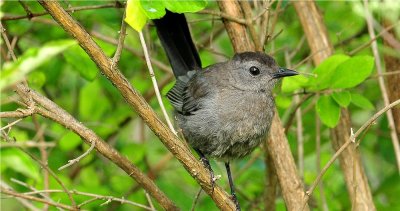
(173, 31)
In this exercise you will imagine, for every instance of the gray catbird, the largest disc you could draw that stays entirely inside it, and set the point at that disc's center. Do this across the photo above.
(224, 110)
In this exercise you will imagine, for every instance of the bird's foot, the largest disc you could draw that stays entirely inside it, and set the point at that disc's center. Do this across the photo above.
(234, 199)
(213, 177)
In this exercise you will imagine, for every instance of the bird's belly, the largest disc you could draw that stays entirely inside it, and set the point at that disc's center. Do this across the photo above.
(235, 137)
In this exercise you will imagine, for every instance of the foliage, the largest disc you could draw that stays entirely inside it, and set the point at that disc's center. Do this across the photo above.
(139, 11)
(59, 69)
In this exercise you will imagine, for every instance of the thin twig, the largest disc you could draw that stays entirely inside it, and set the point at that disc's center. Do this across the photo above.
(382, 86)
(8, 17)
(396, 72)
(43, 153)
(249, 23)
(299, 124)
(76, 160)
(150, 93)
(196, 199)
(44, 195)
(345, 145)
(26, 8)
(372, 39)
(120, 45)
(7, 41)
(292, 111)
(274, 21)
(24, 202)
(87, 202)
(300, 138)
(46, 167)
(27, 144)
(318, 160)
(32, 198)
(14, 114)
(222, 15)
(10, 124)
(297, 48)
(264, 23)
(148, 197)
(95, 196)
(155, 86)
(264, 10)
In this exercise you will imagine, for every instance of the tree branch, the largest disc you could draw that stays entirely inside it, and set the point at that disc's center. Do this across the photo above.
(50, 110)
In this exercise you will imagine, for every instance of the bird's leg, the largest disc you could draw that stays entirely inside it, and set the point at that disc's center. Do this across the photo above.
(228, 171)
(206, 164)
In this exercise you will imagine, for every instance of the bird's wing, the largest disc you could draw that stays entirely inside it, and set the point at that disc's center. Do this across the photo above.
(187, 96)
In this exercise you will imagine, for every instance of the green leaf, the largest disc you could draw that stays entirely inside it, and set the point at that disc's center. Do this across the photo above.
(30, 60)
(135, 15)
(153, 9)
(138, 12)
(185, 6)
(328, 111)
(291, 84)
(352, 72)
(20, 162)
(342, 98)
(361, 101)
(81, 62)
(325, 70)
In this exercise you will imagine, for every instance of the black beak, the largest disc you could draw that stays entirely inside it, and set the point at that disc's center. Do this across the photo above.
(283, 72)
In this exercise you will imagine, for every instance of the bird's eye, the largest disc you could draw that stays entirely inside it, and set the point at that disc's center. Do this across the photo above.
(254, 71)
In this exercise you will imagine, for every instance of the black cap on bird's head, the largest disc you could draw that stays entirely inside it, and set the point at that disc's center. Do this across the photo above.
(265, 60)
(254, 71)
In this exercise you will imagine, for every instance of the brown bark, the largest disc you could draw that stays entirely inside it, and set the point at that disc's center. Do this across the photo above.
(393, 64)
(321, 48)
(236, 32)
(285, 167)
(277, 144)
(314, 29)
(137, 102)
(271, 184)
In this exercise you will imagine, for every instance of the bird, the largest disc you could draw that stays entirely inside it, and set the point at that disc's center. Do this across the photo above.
(224, 110)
